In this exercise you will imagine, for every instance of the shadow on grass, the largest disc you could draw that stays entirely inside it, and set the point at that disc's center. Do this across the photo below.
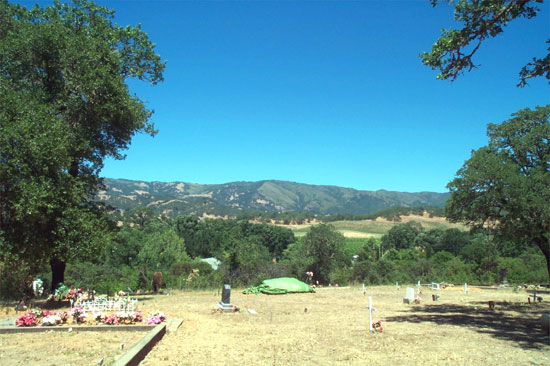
(523, 329)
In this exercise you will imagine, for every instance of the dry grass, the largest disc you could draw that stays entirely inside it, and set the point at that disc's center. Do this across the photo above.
(378, 227)
(65, 348)
(457, 329)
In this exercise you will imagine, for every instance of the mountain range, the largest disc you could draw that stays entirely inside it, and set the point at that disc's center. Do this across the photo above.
(231, 199)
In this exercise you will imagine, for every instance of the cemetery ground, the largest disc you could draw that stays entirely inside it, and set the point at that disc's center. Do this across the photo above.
(330, 327)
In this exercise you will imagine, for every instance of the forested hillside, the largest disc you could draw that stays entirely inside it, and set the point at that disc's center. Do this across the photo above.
(233, 199)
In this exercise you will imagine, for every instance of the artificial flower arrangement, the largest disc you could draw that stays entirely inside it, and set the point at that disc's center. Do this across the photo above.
(27, 320)
(32, 318)
(51, 320)
(74, 294)
(79, 316)
(377, 326)
(121, 317)
(45, 318)
(156, 317)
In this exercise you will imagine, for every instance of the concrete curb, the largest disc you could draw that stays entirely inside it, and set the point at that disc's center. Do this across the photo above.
(138, 352)
(173, 325)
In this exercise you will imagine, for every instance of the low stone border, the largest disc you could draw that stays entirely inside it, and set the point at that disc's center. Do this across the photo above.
(173, 325)
(138, 352)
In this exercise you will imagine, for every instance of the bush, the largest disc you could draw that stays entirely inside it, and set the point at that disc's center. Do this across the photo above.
(15, 280)
(341, 276)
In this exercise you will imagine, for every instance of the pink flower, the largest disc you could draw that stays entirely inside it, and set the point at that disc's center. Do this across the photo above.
(111, 319)
(154, 320)
(27, 320)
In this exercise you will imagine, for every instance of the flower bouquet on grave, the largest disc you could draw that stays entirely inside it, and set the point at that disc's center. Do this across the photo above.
(137, 316)
(37, 313)
(61, 292)
(377, 326)
(64, 316)
(156, 317)
(78, 315)
(51, 319)
(76, 295)
(26, 320)
(98, 316)
(125, 317)
(111, 320)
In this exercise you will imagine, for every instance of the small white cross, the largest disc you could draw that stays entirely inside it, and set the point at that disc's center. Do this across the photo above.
(371, 309)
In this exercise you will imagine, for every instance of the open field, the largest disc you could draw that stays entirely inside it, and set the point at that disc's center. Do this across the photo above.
(377, 228)
(457, 329)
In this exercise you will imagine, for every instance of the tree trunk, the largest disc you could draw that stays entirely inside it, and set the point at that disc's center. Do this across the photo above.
(58, 272)
(544, 245)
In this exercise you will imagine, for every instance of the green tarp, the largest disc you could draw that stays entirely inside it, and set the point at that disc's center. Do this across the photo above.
(283, 285)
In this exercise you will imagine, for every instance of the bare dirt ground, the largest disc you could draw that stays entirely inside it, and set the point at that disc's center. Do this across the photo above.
(331, 327)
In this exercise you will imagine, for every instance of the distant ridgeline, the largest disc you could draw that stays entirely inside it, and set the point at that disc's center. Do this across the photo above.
(277, 200)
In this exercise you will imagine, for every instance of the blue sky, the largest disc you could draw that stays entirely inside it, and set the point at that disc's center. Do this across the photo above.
(318, 92)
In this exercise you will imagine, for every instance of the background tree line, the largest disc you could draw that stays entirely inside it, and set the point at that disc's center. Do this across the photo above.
(251, 252)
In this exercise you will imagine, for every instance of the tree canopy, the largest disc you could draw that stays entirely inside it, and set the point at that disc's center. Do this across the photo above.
(505, 185)
(64, 107)
(453, 52)
(325, 246)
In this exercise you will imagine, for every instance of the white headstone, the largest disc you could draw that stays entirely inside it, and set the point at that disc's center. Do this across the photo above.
(409, 297)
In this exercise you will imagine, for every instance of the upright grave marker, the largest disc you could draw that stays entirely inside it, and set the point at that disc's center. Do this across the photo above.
(409, 297)
(371, 309)
(535, 297)
(503, 276)
(225, 304)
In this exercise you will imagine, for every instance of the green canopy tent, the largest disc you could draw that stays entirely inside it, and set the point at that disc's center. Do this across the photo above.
(282, 285)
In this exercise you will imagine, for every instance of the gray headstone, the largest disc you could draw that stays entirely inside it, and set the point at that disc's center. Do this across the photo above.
(226, 294)
(503, 273)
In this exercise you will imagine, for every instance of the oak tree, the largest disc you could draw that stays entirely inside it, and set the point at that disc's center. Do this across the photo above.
(505, 186)
(66, 106)
(453, 52)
